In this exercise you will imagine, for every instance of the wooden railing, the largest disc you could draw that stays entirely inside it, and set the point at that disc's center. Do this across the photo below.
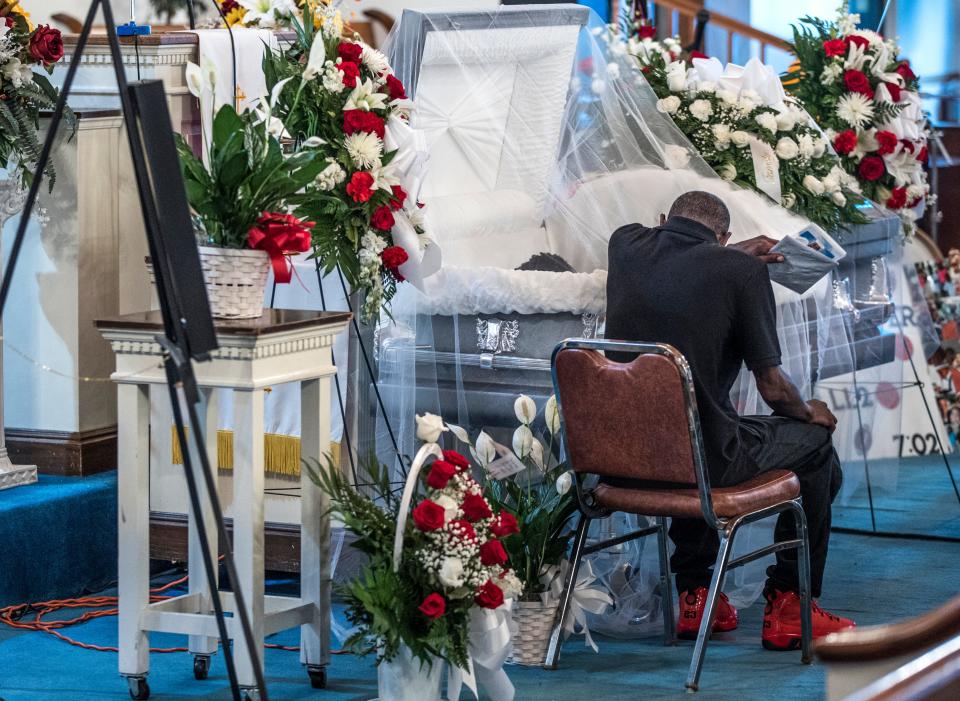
(687, 12)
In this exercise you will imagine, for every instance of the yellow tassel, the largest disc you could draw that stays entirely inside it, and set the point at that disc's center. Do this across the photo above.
(281, 454)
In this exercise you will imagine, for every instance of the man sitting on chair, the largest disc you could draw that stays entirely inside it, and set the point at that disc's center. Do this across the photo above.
(679, 283)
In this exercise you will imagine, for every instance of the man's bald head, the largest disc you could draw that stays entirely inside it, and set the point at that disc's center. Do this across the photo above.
(704, 208)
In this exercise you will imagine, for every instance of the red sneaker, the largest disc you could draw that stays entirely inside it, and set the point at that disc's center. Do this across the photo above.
(781, 621)
(692, 604)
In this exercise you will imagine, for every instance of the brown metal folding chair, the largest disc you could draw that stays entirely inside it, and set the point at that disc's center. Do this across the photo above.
(637, 423)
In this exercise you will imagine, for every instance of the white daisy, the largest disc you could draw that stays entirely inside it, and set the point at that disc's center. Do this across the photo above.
(855, 109)
(365, 97)
(365, 149)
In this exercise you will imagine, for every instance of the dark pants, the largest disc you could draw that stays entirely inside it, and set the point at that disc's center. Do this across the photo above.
(772, 443)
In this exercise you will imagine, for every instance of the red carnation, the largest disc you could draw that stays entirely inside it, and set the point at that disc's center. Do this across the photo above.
(505, 525)
(428, 516)
(440, 473)
(382, 218)
(489, 596)
(857, 81)
(351, 72)
(872, 168)
(475, 508)
(898, 198)
(922, 155)
(860, 41)
(697, 54)
(492, 553)
(456, 458)
(360, 187)
(648, 31)
(835, 47)
(399, 197)
(395, 88)
(888, 142)
(393, 257)
(845, 142)
(350, 51)
(46, 44)
(434, 605)
(894, 91)
(463, 529)
(905, 72)
(355, 121)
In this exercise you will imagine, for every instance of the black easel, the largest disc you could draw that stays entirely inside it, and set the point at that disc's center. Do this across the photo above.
(188, 326)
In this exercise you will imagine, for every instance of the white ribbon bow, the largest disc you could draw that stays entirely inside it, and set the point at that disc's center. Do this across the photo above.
(490, 645)
(585, 598)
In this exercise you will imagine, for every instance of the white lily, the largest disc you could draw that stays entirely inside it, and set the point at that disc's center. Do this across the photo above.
(523, 441)
(275, 93)
(366, 97)
(485, 451)
(564, 482)
(525, 409)
(460, 433)
(313, 142)
(316, 60)
(194, 79)
(211, 74)
(551, 413)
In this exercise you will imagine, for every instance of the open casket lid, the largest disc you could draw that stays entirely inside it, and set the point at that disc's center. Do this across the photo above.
(490, 91)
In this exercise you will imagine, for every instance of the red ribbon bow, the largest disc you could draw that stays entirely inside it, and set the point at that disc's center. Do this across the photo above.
(280, 235)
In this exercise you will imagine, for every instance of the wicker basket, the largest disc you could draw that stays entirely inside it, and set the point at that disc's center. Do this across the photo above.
(534, 621)
(236, 280)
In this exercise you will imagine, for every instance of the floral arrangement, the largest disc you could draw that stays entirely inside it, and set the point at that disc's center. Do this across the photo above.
(755, 139)
(269, 14)
(453, 560)
(343, 94)
(242, 194)
(865, 97)
(24, 91)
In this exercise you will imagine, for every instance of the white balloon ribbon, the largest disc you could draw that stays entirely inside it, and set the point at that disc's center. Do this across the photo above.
(585, 597)
(490, 645)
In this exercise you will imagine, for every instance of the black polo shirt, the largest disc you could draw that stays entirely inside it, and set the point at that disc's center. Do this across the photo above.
(675, 284)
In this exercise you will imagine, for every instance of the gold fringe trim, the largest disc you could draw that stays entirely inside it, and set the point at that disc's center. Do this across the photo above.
(281, 454)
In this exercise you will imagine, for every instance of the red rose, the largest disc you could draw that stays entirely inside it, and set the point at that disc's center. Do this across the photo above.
(898, 198)
(505, 525)
(434, 605)
(463, 529)
(382, 218)
(355, 121)
(395, 88)
(922, 155)
(393, 257)
(399, 197)
(907, 145)
(894, 91)
(351, 72)
(360, 187)
(475, 508)
(489, 596)
(905, 72)
(845, 142)
(46, 44)
(857, 81)
(428, 516)
(457, 459)
(860, 41)
(349, 51)
(648, 31)
(835, 47)
(872, 168)
(888, 142)
(440, 473)
(492, 553)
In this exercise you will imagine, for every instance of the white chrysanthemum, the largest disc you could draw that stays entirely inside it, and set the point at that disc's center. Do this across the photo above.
(855, 109)
(701, 109)
(670, 104)
(375, 61)
(728, 96)
(807, 145)
(366, 97)
(365, 149)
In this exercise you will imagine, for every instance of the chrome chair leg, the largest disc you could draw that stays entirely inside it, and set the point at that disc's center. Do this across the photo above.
(803, 566)
(710, 611)
(556, 636)
(666, 585)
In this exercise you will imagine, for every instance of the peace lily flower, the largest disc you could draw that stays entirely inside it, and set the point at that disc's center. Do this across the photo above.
(523, 441)
(366, 97)
(485, 451)
(316, 61)
(564, 483)
(525, 409)
(194, 79)
(552, 414)
(429, 428)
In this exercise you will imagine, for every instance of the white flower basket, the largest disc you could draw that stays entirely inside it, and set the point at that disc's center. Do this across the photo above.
(236, 280)
(534, 621)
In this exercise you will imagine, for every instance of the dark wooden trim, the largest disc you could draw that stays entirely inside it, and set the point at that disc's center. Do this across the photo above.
(271, 321)
(64, 453)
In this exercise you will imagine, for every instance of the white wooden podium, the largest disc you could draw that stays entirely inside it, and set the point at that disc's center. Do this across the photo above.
(281, 346)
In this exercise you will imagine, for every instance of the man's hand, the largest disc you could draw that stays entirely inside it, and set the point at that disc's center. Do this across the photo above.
(821, 415)
(759, 247)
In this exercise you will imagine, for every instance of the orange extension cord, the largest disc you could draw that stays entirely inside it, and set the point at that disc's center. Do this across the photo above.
(13, 616)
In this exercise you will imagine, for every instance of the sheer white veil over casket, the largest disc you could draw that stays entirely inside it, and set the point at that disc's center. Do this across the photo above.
(542, 136)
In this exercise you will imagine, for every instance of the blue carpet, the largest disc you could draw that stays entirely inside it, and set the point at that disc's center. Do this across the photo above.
(873, 579)
(59, 538)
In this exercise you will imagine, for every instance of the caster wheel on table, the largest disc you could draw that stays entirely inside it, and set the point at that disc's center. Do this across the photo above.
(201, 667)
(318, 677)
(138, 688)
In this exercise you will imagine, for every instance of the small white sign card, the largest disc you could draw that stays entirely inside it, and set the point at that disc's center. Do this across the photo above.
(807, 257)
